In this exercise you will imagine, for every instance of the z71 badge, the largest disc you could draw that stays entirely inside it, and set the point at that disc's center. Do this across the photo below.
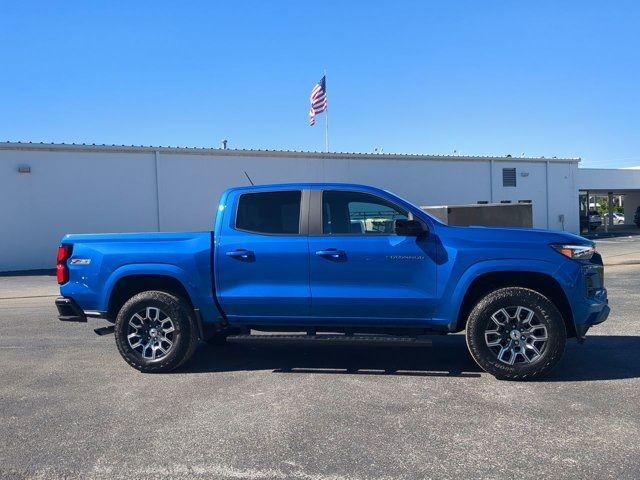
(80, 261)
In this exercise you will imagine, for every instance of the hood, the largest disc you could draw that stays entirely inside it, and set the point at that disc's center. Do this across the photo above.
(525, 235)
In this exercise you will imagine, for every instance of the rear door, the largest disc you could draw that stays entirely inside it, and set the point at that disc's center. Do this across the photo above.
(361, 271)
(262, 257)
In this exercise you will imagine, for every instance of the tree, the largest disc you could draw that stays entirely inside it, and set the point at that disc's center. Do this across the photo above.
(602, 206)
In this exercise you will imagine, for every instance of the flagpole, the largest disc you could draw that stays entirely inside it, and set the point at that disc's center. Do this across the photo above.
(326, 116)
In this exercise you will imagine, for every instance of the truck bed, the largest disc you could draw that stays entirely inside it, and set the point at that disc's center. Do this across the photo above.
(99, 261)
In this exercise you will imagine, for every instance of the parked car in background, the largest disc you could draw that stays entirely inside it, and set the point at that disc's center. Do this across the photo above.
(595, 220)
(618, 219)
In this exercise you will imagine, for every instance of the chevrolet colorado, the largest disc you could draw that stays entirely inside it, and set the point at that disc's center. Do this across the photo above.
(340, 258)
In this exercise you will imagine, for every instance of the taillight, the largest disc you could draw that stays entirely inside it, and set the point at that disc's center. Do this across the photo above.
(62, 271)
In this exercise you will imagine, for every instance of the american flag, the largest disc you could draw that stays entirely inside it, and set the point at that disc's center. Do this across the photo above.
(318, 100)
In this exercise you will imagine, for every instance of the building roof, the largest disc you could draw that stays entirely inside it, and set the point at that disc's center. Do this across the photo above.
(84, 147)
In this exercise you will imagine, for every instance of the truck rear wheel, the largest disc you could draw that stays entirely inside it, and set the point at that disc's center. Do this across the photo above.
(516, 333)
(155, 332)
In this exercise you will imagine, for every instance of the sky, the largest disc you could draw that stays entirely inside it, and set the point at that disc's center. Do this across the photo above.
(543, 78)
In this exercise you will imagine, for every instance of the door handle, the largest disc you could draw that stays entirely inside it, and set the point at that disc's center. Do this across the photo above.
(240, 253)
(331, 252)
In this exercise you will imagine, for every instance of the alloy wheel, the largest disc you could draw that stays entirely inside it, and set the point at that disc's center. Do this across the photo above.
(151, 333)
(516, 335)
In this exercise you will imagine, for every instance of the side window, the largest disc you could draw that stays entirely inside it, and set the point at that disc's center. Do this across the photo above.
(269, 212)
(358, 213)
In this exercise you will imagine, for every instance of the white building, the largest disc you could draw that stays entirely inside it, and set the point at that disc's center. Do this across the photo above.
(610, 182)
(47, 190)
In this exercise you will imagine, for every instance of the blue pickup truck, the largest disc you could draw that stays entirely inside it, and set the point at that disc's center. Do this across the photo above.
(347, 259)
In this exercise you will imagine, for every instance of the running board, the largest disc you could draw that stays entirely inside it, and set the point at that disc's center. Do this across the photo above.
(105, 330)
(338, 338)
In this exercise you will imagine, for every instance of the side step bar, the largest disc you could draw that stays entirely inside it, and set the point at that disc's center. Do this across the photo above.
(105, 330)
(338, 338)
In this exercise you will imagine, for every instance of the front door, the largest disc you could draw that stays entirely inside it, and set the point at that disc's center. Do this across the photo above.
(262, 258)
(361, 271)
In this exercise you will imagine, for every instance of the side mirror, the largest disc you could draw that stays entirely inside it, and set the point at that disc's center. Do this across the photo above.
(410, 228)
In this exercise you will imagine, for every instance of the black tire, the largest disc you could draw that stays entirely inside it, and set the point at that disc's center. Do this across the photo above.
(545, 314)
(184, 337)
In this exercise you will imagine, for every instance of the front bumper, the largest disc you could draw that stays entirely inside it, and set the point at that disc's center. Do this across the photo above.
(593, 308)
(69, 311)
(581, 330)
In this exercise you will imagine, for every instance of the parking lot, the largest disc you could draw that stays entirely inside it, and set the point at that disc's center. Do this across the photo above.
(263, 409)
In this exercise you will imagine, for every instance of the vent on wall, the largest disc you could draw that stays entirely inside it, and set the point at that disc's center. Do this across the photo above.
(508, 177)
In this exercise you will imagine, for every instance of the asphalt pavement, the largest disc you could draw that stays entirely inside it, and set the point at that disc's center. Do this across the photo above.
(623, 250)
(276, 409)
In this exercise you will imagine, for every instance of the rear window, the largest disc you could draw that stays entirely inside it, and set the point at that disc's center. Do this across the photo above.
(269, 212)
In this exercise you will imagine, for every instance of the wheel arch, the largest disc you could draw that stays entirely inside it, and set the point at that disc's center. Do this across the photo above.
(126, 286)
(542, 283)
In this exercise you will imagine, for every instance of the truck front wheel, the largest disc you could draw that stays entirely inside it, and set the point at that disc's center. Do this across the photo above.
(516, 333)
(155, 332)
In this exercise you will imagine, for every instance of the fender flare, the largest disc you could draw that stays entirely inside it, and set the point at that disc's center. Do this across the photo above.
(156, 269)
(502, 265)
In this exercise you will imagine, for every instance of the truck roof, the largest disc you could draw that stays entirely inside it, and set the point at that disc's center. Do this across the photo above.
(305, 185)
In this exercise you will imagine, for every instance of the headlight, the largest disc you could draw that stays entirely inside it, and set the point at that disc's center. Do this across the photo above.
(576, 252)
